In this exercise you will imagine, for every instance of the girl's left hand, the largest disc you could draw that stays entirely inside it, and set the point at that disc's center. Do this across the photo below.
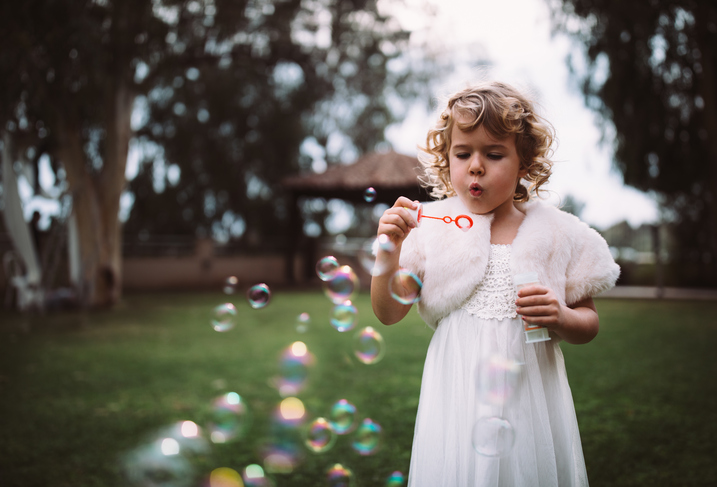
(538, 305)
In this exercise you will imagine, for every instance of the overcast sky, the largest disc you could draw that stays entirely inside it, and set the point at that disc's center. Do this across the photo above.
(515, 36)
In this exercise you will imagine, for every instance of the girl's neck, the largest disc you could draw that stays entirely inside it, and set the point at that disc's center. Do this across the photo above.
(506, 223)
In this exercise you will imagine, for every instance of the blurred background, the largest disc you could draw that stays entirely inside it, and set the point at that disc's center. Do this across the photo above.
(151, 144)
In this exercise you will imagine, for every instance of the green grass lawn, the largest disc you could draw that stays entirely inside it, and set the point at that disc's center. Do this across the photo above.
(79, 390)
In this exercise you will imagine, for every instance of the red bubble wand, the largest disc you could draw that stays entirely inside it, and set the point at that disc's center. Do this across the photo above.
(464, 222)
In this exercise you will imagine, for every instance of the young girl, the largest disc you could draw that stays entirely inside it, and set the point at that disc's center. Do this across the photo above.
(494, 410)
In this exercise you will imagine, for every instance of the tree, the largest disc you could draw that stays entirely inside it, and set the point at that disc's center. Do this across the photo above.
(652, 76)
(253, 77)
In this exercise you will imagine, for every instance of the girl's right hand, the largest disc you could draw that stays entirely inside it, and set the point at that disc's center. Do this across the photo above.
(397, 221)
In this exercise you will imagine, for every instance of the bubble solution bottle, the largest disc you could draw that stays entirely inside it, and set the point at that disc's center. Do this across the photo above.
(533, 333)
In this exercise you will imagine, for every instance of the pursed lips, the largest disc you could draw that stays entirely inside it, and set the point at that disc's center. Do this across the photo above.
(476, 189)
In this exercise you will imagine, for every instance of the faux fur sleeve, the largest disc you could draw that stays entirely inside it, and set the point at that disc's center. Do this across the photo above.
(591, 269)
(413, 256)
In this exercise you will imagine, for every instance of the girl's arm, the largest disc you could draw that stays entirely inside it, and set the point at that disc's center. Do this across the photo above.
(395, 223)
(576, 324)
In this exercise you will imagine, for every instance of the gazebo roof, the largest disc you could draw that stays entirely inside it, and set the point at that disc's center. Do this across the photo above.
(389, 170)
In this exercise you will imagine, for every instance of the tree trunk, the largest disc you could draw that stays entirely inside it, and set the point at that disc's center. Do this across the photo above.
(96, 200)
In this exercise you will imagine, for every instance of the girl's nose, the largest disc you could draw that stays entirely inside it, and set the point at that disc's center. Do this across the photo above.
(476, 168)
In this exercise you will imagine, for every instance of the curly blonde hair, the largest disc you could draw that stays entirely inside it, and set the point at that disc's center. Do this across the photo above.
(503, 111)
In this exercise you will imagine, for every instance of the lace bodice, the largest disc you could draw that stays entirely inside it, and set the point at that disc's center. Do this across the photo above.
(494, 297)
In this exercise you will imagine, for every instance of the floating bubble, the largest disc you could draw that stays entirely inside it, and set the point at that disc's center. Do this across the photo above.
(369, 345)
(396, 479)
(254, 476)
(282, 450)
(339, 476)
(230, 285)
(326, 267)
(385, 243)
(319, 437)
(258, 295)
(369, 195)
(225, 477)
(294, 364)
(224, 317)
(342, 417)
(405, 287)
(292, 411)
(185, 436)
(344, 316)
(143, 466)
(302, 322)
(342, 286)
(230, 418)
(367, 438)
(493, 436)
(497, 377)
(367, 258)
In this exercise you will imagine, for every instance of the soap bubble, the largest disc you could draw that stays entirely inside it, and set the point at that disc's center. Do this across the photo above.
(339, 476)
(282, 451)
(369, 345)
(291, 411)
(302, 322)
(342, 286)
(143, 466)
(367, 438)
(369, 195)
(258, 295)
(496, 379)
(385, 243)
(254, 476)
(225, 477)
(368, 260)
(344, 316)
(184, 436)
(294, 369)
(230, 285)
(405, 287)
(326, 267)
(493, 436)
(224, 317)
(318, 436)
(342, 417)
(230, 418)
(396, 479)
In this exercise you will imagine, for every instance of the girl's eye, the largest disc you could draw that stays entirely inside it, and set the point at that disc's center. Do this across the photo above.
(495, 156)
(463, 155)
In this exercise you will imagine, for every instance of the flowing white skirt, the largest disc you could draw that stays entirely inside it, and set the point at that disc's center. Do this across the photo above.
(494, 411)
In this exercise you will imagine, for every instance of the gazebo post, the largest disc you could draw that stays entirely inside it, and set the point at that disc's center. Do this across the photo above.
(293, 240)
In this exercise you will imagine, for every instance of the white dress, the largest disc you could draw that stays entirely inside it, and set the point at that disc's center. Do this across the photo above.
(494, 410)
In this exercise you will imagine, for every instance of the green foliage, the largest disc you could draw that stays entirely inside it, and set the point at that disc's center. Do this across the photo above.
(77, 390)
(651, 75)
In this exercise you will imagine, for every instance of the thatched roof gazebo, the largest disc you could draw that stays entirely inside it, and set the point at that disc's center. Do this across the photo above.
(391, 174)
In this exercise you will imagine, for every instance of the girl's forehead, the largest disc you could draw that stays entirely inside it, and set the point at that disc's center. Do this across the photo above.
(480, 134)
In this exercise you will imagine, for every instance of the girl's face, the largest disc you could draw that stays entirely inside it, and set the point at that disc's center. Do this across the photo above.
(484, 170)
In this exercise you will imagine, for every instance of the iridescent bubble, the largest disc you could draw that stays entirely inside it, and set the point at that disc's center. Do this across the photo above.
(497, 377)
(186, 436)
(282, 451)
(258, 295)
(302, 322)
(492, 436)
(225, 477)
(318, 436)
(367, 258)
(405, 287)
(342, 286)
(342, 417)
(254, 476)
(369, 195)
(294, 365)
(155, 460)
(367, 438)
(344, 316)
(224, 317)
(369, 345)
(385, 243)
(396, 479)
(326, 267)
(292, 411)
(230, 285)
(339, 476)
(230, 418)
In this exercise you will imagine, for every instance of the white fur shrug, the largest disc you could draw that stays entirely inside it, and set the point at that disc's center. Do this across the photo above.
(570, 258)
